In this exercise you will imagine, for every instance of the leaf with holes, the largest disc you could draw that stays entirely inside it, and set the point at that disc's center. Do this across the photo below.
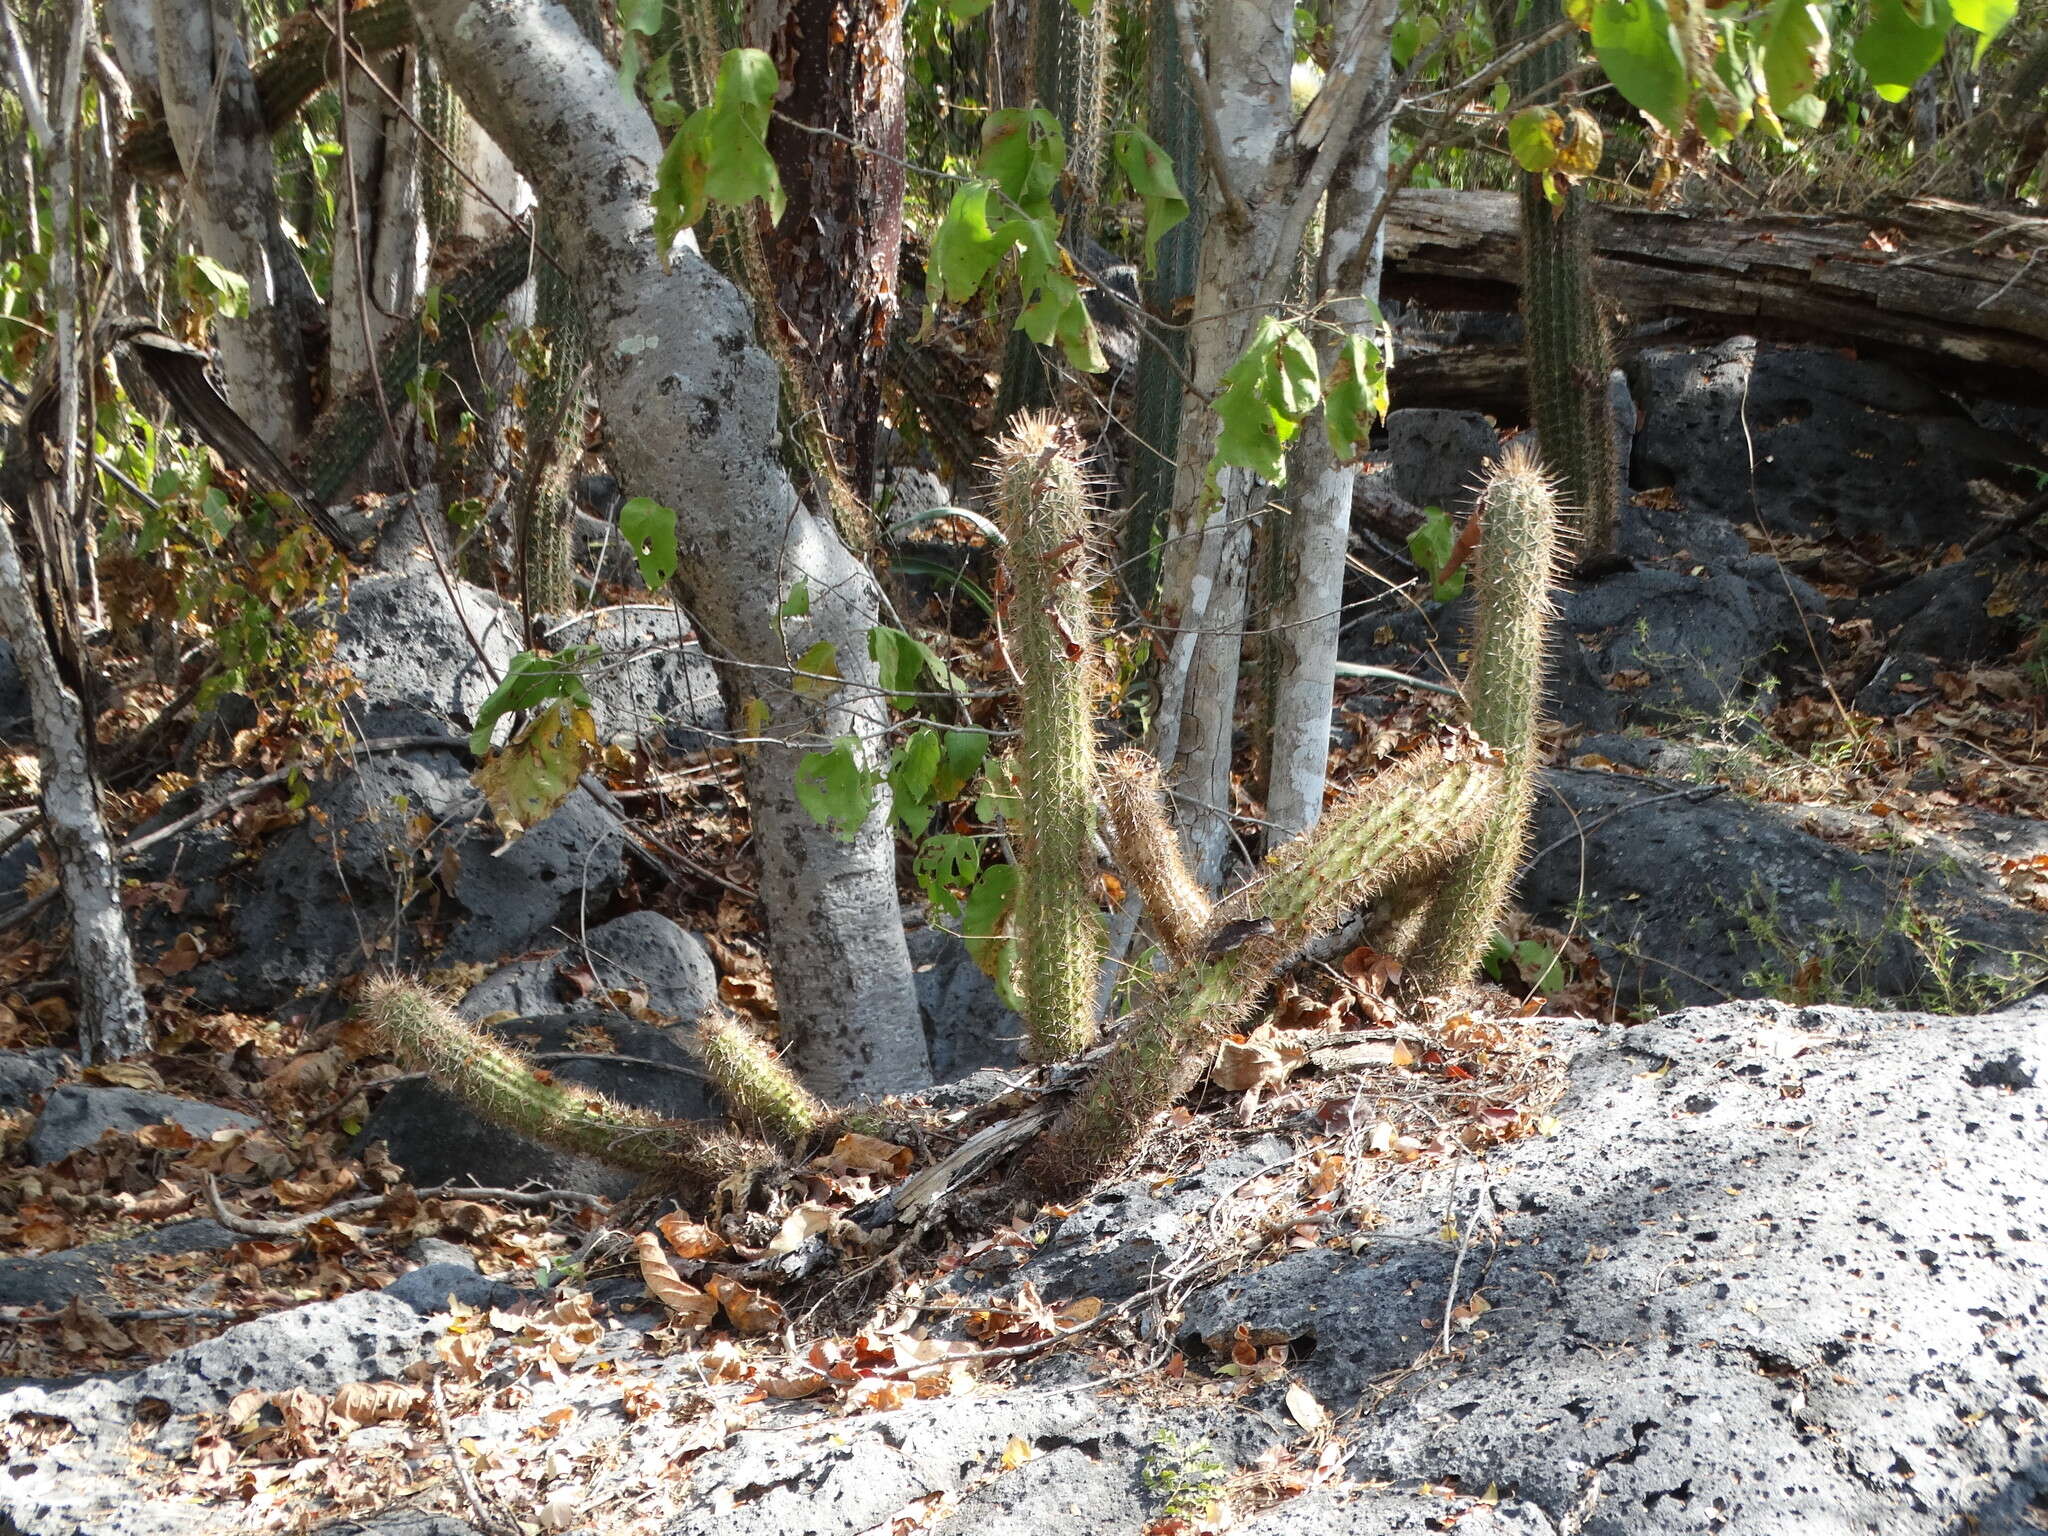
(835, 789)
(1149, 170)
(649, 529)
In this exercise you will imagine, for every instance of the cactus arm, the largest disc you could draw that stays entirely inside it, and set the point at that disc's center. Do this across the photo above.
(1043, 501)
(1148, 851)
(755, 1082)
(1397, 827)
(506, 1089)
(1517, 563)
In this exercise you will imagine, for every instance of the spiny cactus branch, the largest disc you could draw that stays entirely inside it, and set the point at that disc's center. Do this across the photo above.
(1148, 852)
(755, 1082)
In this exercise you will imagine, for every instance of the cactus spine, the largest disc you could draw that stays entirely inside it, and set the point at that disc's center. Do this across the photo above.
(501, 1085)
(1042, 498)
(1569, 357)
(1404, 823)
(1148, 851)
(755, 1082)
(1518, 550)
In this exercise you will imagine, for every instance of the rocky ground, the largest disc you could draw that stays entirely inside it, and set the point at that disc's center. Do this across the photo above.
(1573, 1262)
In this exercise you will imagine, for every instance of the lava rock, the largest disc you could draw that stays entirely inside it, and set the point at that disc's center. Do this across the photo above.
(967, 1026)
(653, 684)
(1689, 901)
(1841, 444)
(410, 647)
(26, 1076)
(641, 951)
(1948, 613)
(1439, 457)
(77, 1114)
(50, 1280)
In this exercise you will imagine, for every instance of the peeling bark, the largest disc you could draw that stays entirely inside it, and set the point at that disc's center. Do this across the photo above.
(690, 403)
(834, 253)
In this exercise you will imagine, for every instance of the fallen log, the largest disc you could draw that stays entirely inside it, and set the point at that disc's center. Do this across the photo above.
(1956, 291)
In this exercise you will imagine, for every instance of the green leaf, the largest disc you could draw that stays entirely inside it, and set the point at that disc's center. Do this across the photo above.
(1149, 169)
(903, 662)
(966, 10)
(642, 16)
(959, 760)
(1023, 153)
(1431, 545)
(720, 154)
(211, 288)
(525, 780)
(650, 529)
(964, 248)
(834, 789)
(1902, 41)
(817, 672)
(983, 923)
(945, 860)
(1357, 398)
(1639, 48)
(1796, 49)
(798, 604)
(912, 768)
(531, 680)
(1533, 136)
(1269, 389)
(1987, 18)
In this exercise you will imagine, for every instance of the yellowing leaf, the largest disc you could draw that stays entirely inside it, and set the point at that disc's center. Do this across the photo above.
(529, 777)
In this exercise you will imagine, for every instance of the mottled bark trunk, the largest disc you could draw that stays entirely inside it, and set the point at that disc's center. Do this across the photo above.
(690, 404)
(1315, 535)
(380, 267)
(834, 253)
(1249, 58)
(216, 123)
(132, 26)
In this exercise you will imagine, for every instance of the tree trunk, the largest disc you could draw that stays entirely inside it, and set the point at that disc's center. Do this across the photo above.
(377, 224)
(216, 122)
(1316, 534)
(690, 403)
(834, 253)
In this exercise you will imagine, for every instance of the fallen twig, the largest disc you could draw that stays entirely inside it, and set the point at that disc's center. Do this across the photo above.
(297, 1226)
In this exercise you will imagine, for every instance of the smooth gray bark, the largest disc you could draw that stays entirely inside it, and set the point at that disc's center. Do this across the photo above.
(216, 122)
(690, 404)
(1316, 533)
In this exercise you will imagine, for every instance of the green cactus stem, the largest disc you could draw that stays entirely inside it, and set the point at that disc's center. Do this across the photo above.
(755, 1082)
(1399, 826)
(1516, 566)
(1148, 852)
(506, 1089)
(1042, 498)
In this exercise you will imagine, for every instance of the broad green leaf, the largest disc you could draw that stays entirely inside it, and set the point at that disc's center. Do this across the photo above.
(211, 288)
(798, 604)
(984, 923)
(945, 860)
(1357, 398)
(1431, 545)
(964, 248)
(720, 154)
(1987, 18)
(1639, 49)
(904, 661)
(526, 779)
(1728, 103)
(1296, 382)
(1041, 318)
(1795, 54)
(834, 789)
(912, 768)
(1274, 383)
(1023, 153)
(959, 760)
(1533, 136)
(1149, 169)
(966, 10)
(817, 672)
(649, 529)
(1901, 41)
(531, 680)
(1077, 338)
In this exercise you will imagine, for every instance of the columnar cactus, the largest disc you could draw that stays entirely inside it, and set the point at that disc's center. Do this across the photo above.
(503, 1087)
(1403, 824)
(1042, 500)
(1516, 565)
